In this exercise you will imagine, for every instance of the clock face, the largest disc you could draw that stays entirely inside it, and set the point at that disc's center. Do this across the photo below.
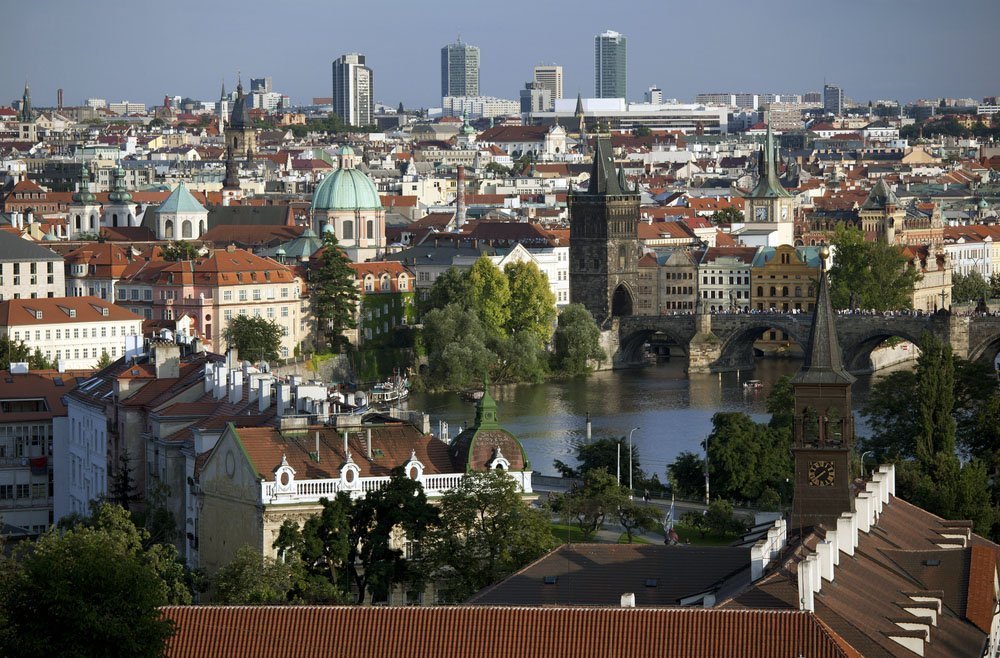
(760, 213)
(784, 213)
(821, 474)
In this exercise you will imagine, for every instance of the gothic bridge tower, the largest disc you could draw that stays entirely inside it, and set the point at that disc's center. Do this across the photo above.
(604, 240)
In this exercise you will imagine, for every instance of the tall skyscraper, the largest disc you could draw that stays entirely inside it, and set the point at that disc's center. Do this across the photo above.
(550, 76)
(459, 70)
(610, 65)
(833, 99)
(353, 90)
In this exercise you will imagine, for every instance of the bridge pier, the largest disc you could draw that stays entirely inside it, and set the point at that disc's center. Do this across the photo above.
(705, 347)
(958, 335)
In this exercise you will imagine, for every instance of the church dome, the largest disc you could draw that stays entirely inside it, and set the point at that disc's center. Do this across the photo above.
(346, 189)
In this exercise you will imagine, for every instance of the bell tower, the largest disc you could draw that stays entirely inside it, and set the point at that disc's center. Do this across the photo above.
(769, 203)
(604, 240)
(823, 426)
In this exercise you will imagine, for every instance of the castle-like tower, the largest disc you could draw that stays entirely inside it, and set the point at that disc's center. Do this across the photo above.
(604, 240)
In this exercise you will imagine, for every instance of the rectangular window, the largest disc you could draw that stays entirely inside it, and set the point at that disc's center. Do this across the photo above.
(243, 295)
(256, 294)
(147, 295)
(284, 311)
(227, 296)
(284, 292)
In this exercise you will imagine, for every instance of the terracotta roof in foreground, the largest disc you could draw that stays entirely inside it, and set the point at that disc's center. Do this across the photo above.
(488, 632)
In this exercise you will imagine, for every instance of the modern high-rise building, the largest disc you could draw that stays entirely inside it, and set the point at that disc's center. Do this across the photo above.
(833, 100)
(654, 95)
(459, 70)
(610, 65)
(353, 90)
(550, 76)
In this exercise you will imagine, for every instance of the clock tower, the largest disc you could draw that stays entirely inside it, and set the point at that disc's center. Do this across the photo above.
(769, 205)
(823, 426)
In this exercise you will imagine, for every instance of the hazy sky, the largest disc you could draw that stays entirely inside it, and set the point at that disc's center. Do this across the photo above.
(140, 50)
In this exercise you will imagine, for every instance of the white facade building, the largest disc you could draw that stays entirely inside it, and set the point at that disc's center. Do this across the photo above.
(28, 270)
(478, 107)
(71, 331)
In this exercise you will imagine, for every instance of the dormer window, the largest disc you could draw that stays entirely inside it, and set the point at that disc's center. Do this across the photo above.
(104, 311)
(38, 315)
(72, 313)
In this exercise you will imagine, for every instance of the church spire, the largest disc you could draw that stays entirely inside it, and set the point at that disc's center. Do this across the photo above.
(768, 184)
(26, 104)
(603, 178)
(823, 363)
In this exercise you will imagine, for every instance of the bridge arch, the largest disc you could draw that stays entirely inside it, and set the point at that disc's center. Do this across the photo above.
(635, 331)
(857, 348)
(737, 351)
(988, 350)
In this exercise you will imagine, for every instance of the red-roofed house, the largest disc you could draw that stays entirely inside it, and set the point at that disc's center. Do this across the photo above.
(385, 300)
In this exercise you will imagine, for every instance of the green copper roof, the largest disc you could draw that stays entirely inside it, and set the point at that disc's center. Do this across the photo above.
(486, 411)
(346, 189)
(768, 185)
(84, 195)
(181, 201)
(120, 194)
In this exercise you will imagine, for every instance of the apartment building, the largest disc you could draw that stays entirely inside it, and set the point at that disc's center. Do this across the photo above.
(28, 271)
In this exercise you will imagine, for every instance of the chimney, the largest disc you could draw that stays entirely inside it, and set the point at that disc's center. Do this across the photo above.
(209, 377)
(804, 574)
(368, 440)
(346, 449)
(232, 358)
(264, 399)
(317, 446)
(235, 386)
(824, 551)
(847, 533)
(253, 391)
(30, 216)
(834, 540)
(863, 511)
(221, 379)
(167, 360)
(284, 395)
(628, 600)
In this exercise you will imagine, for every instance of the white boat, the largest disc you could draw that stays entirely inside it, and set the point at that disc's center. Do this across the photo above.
(752, 384)
(389, 392)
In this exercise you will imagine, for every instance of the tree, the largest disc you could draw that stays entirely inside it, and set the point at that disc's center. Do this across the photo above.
(96, 584)
(456, 347)
(486, 533)
(889, 412)
(590, 503)
(254, 337)
(746, 458)
(532, 303)
(333, 292)
(727, 215)
(781, 403)
(603, 454)
(180, 250)
(971, 287)
(936, 400)
(719, 518)
(104, 361)
(489, 295)
(577, 341)
(687, 475)
(13, 351)
(320, 547)
(449, 288)
(870, 275)
(253, 579)
(519, 357)
(375, 520)
(634, 518)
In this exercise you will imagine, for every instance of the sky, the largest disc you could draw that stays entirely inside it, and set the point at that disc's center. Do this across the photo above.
(140, 50)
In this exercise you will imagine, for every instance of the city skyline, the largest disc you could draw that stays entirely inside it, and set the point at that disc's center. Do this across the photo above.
(762, 50)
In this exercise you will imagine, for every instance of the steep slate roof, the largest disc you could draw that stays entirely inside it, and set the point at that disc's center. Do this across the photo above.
(880, 197)
(823, 363)
(603, 178)
(15, 249)
(245, 215)
(598, 574)
(768, 186)
(486, 632)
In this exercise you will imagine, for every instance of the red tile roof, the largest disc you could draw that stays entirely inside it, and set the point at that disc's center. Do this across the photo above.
(57, 310)
(981, 600)
(491, 632)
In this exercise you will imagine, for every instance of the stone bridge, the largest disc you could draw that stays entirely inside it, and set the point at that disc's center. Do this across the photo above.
(724, 342)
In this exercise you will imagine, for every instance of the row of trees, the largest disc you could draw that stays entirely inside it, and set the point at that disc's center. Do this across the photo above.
(940, 424)
(350, 552)
(92, 588)
(973, 287)
(486, 320)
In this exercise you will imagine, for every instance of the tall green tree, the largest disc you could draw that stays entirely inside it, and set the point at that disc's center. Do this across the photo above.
(687, 475)
(971, 287)
(870, 275)
(90, 590)
(489, 295)
(333, 293)
(13, 351)
(603, 453)
(577, 341)
(532, 303)
(374, 563)
(254, 337)
(634, 517)
(888, 410)
(321, 548)
(746, 458)
(456, 347)
(486, 533)
(936, 400)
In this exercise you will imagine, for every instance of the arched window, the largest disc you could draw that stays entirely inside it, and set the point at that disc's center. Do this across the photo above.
(772, 291)
(79, 221)
(114, 219)
(784, 291)
(168, 229)
(347, 229)
(834, 426)
(798, 291)
(201, 228)
(186, 228)
(810, 426)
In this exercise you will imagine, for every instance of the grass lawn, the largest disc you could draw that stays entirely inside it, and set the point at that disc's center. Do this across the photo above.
(636, 539)
(693, 534)
(568, 534)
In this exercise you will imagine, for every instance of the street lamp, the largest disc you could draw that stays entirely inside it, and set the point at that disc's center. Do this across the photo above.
(630, 462)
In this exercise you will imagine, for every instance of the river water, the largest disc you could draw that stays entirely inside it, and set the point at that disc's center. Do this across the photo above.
(672, 410)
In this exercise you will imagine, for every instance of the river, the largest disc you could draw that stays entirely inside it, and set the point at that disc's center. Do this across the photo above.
(672, 410)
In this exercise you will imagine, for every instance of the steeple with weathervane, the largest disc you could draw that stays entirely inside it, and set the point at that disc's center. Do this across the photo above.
(769, 203)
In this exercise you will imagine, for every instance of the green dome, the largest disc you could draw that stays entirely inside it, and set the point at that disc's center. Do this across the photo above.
(346, 189)
(345, 150)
